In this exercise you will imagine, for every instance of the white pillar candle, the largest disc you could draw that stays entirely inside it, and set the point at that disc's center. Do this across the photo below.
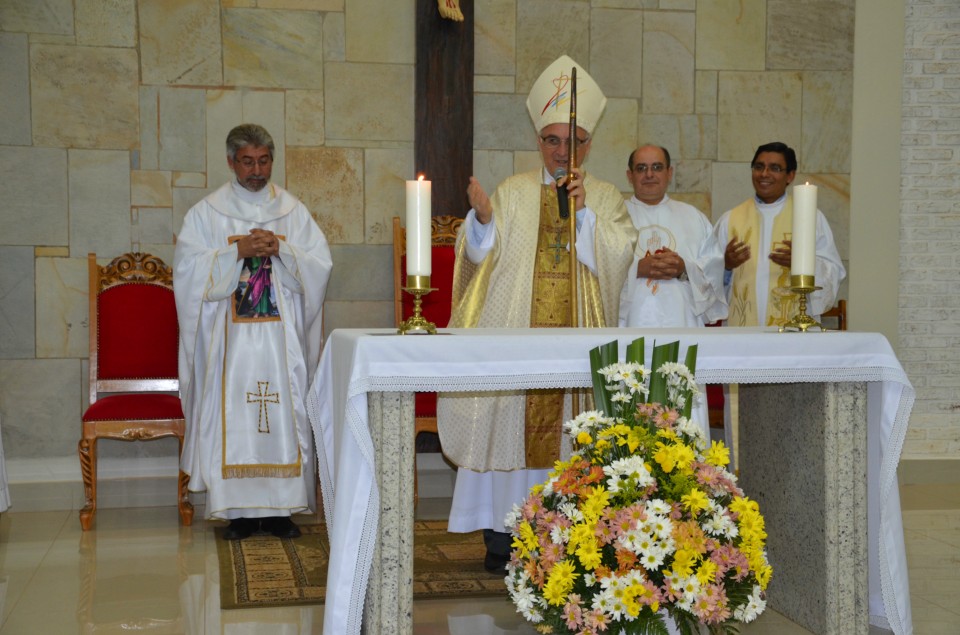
(803, 247)
(418, 227)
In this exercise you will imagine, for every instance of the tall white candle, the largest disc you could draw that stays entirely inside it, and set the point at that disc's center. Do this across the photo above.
(804, 244)
(418, 227)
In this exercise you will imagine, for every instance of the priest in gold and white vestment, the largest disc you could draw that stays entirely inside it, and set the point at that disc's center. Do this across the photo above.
(250, 273)
(514, 272)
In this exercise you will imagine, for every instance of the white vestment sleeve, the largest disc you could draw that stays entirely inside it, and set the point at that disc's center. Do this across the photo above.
(829, 270)
(586, 236)
(480, 238)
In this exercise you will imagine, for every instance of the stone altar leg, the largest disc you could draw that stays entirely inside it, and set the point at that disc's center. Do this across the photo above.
(803, 458)
(388, 608)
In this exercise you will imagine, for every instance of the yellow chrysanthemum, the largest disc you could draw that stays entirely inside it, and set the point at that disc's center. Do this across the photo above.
(695, 501)
(665, 457)
(584, 438)
(707, 571)
(684, 560)
(589, 554)
(595, 503)
(580, 533)
(559, 582)
(717, 454)
(528, 536)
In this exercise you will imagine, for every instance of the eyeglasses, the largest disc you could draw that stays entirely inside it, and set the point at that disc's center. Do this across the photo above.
(656, 168)
(554, 142)
(249, 162)
(773, 167)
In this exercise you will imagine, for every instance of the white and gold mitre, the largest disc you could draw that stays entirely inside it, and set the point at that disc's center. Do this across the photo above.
(549, 99)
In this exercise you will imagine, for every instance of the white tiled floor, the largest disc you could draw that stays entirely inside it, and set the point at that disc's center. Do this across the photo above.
(138, 571)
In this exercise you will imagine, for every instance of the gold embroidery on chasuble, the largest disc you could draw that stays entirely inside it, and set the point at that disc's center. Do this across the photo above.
(550, 307)
(262, 397)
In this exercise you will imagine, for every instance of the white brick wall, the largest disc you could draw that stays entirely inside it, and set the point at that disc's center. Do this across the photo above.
(930, 226)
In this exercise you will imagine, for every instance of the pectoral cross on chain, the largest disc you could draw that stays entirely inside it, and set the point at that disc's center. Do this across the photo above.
(263, 398)
(557, 248)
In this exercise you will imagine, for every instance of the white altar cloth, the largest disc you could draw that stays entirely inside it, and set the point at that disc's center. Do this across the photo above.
(358, 361)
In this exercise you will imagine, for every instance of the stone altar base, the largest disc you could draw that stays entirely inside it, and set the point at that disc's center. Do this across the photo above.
(803, 458)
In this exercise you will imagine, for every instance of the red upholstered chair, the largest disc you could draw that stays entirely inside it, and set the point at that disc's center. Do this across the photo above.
(435, 306)
(134, 340)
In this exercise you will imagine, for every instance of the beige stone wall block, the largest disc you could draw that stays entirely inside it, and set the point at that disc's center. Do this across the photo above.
(15, 79)
(155, 226)
(188, 179)
(180, 42)
(546, 29)
(304, 118)
(491, 167)
(150, 188)
(626, 4)
(334, 37)
(678, 5)
(700, 200)
(615, 54)
(17, 329)
(302, 5)
(378, 31)
(68, 84)
(757, 108)
(181, 134)
(613, 141)
(661, 130)
(827, 121)
(668, 62)
(229, 108)
(698, 137)
(705, 102)
(385, 173)
(42, 401)
(731, 34)
(811, 35)
(62, 311)
(367, 102)
(272, 48)
(329, 181)
(30, 16)
(106, 22)
(34, 195)
(731, 185)
(99, 202)
(526, 161)
(494, 83)
(692, 176)
(51, 252)
(833, 199)
(501, 122)
(495, 37)
(148, 156)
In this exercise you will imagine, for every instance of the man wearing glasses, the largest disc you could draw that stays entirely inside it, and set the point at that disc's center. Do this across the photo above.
(677, 275)
(513, 270)
(762, 225)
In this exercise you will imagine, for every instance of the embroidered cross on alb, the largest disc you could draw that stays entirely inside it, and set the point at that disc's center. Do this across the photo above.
(263, 398)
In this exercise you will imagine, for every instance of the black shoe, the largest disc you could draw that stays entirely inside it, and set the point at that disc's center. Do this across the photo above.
(241, 528)
(280, 526)
(495, 563)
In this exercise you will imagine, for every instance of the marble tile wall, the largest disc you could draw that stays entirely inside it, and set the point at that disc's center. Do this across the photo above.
(115, 114)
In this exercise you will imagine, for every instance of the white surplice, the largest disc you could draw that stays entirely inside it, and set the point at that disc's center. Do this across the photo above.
(693, 301)
(243, 379)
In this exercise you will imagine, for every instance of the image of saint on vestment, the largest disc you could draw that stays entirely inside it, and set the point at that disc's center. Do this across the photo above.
(255, 298)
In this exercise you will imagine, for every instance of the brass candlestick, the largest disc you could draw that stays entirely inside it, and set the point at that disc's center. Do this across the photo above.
(419, 286)
(802, 286)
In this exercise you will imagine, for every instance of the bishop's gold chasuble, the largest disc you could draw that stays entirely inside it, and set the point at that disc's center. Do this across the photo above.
(525, 282)
(745, 224)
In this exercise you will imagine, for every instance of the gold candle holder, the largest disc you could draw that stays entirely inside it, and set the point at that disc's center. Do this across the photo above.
(802, 286)
(418, 286)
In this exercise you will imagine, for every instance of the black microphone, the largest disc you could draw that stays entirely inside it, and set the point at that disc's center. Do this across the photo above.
(563, 198)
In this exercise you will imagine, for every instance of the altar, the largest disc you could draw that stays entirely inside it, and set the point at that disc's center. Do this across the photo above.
(828, 438)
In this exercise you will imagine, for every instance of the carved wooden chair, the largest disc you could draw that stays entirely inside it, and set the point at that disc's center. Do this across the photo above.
(838, 313)
(134, 340)
(435, 306)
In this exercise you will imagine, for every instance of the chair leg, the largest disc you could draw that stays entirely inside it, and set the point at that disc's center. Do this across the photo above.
(87, 449)
(184, 506)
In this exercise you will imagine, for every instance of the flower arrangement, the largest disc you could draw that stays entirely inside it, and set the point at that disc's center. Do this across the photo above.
(643, 523)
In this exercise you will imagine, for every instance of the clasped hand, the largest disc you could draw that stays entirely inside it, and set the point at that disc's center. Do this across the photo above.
(259, 242)
(664, 264)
